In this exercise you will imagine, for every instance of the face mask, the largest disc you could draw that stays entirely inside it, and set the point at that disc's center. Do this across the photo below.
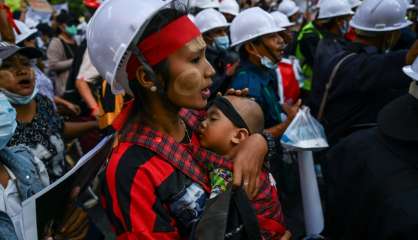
(71, 30)
(345, 28)
(221, 42)
(266, 62)
(7, 121)
(19, 100)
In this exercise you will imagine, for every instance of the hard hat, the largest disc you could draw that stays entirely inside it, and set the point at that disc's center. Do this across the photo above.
(192, 18)
(250, 24)
(209, 19)
(229, 7)
(334, 8)
(380, 16)
(206, 4)
(412, 70)
(94, 4)
(281, 19)
(288, 7)
(109, 49)
(354, 3)
(24, 30)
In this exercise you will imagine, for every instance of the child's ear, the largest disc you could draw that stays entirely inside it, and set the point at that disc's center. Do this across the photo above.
(240, 135)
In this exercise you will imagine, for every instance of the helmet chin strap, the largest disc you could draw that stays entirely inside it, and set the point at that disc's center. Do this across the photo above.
(148, 70)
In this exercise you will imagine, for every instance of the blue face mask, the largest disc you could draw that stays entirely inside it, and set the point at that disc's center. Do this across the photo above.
(7, 121)
(268, 63)
(222, 42)
(71, 30)
(17, 99)
(345, 28)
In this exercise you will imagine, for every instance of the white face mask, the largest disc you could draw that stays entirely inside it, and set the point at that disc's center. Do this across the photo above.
(7, 121)
(18, 99)
(266, 62)
(345, 28)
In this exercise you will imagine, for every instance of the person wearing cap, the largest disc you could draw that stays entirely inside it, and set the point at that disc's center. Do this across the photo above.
(26, 37)
(39, 127)
(373, 187)
(156, 183)
(214, 28)
(229, 8)
(354, 100)
(61, 51)
(21, 175)
(291, 10)
(261, 48)
(331, 22)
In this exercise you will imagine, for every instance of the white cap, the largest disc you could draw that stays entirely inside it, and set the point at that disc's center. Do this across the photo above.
(250, 24)
(229, 7)
(210, 19)
(334, 8)
(380, 16)
(109, 49)
(288, 7)
(206, 4)
(412, 70)
(25, 31)
(281, 19)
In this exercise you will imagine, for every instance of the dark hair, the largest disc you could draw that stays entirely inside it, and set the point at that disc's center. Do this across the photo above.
(243, 52)
(160, 20)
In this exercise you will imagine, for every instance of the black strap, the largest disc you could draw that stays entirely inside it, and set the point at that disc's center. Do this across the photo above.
(250, 222)
(329, 85)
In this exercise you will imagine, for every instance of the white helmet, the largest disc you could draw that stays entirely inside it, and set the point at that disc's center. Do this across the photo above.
(209, 19)
(229, 6)
(334, 8)
(412, 70)
(206, 4)
(24, 30)
(288, 7)
(380, 16)
(250, 24)
(109, 49)
(354, 3)
(281, 19)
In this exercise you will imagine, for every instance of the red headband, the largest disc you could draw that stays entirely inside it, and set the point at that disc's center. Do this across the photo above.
(161, 44)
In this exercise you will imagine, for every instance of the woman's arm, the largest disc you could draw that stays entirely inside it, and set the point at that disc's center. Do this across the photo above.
(6, 30)
(78, 129)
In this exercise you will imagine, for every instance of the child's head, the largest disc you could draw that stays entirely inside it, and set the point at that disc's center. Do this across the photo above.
(230, 121)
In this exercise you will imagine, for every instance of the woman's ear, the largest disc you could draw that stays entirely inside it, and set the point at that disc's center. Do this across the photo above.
(240, 135)
(143, 79)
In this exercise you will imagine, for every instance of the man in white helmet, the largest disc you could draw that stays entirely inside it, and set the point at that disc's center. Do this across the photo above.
(332, 22)
(229, 8)
(366, 75)
(214, 28)
(373, 187)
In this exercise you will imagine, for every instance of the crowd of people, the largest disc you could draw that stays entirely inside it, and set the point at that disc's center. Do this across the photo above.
(197, 94)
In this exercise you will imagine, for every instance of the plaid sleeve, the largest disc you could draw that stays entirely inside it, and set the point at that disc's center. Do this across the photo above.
(193, 118)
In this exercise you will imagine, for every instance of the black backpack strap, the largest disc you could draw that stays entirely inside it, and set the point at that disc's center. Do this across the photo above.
(247, 213)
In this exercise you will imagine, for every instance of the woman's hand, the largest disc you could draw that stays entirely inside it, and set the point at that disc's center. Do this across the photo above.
(248, 160)
(286, 236)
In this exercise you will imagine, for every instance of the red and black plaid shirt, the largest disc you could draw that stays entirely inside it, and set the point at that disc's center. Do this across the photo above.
(194, 161)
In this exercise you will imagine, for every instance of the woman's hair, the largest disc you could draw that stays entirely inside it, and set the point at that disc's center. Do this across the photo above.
(159, 21)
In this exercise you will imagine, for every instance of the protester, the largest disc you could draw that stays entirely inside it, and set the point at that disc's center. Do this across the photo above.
(21, 175)
(372, 184)
(170, 157)
(61, 51)
(291, 10)
(230, 121)
(353, 100)
(39, 126)
(229, 8)
(27, 38)
(261, 49)
(214, 29)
